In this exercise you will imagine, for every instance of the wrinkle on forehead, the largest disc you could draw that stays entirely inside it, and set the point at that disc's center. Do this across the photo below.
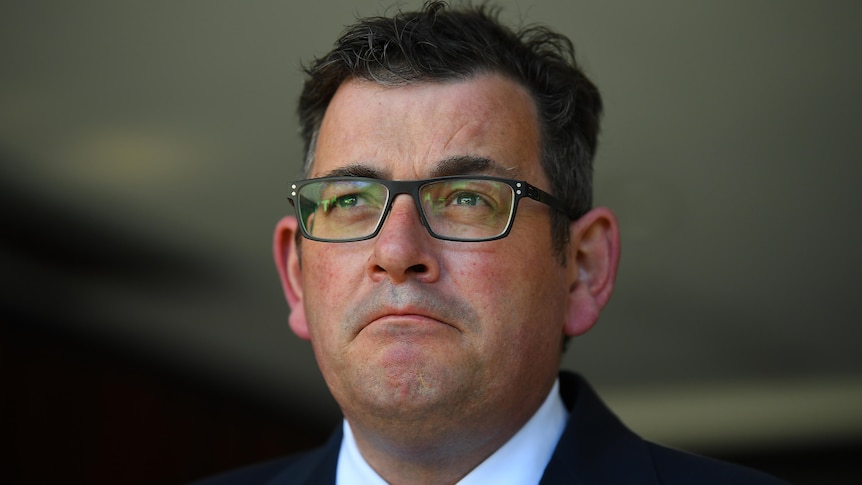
(415, 131)
(455, 133)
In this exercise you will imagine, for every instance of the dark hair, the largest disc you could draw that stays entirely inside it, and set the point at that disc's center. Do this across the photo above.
(439, 44)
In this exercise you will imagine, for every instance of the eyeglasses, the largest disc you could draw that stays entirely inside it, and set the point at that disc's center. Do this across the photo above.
(475, 208)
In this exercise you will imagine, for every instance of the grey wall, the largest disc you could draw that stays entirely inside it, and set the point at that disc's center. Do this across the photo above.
(148, 147)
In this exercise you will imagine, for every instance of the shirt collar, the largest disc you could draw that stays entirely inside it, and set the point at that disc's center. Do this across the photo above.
(520, 460)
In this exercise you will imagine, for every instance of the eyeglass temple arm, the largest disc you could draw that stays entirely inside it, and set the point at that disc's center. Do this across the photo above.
(540, 195)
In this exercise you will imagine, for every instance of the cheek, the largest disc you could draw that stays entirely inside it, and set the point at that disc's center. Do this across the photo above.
(327, 283)
(486, 285)
(482, 281)
(329, 271)
(519, 299)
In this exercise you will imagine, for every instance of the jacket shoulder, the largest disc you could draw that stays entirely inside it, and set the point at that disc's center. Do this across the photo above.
(259, 473)
(680, 467)
(311, 467)
(596, 447)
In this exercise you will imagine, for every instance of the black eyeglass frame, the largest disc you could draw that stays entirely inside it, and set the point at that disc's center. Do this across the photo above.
(412, 188)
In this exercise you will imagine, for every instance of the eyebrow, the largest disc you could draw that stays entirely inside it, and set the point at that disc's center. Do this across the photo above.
(355, 170)
(470, 165)
(457, 165)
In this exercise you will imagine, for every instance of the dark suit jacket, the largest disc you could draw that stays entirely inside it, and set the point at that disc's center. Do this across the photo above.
(595, 448)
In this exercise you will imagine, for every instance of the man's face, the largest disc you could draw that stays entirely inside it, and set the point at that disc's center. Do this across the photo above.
(405, 326)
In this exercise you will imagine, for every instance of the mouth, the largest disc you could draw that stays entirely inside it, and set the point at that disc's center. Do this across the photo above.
(409, 309)
(407, 314)
(405, 322)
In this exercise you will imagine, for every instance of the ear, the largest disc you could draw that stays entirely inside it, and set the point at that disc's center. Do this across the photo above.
(286, 252)
(594, 258)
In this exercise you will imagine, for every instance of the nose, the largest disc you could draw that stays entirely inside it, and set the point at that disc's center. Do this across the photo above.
(403, 249)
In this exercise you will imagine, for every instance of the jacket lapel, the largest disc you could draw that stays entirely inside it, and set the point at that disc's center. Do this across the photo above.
(595, 446)
(316, 467)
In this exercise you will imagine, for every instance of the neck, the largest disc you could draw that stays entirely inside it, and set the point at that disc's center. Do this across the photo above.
(405, 459)
(427, 451)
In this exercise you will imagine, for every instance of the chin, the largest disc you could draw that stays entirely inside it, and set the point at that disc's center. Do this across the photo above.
(410, 389)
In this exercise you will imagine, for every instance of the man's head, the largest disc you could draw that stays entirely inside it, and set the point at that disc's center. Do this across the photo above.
(436, 45)
(422, 340)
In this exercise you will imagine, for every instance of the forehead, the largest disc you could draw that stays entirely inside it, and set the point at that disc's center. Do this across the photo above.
(406, 132)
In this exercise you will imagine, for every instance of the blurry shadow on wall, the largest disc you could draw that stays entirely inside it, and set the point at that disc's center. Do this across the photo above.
(52, 254)
(92, 408)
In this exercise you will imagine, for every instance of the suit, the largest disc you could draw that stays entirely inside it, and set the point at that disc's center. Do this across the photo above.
(595, 448)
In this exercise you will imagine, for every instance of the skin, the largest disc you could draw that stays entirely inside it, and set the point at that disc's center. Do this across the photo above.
(439, 351)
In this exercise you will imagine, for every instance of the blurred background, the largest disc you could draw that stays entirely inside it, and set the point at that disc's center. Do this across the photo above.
(145, 153)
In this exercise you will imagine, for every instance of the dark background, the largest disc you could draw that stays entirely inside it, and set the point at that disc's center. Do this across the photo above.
(145, 152)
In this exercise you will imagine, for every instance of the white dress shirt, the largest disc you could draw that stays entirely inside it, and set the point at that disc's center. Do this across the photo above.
(520, 461)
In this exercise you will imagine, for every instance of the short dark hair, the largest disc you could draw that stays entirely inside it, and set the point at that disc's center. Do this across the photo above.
(439, 44)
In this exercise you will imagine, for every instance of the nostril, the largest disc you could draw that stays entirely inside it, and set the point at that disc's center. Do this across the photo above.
(418, 268)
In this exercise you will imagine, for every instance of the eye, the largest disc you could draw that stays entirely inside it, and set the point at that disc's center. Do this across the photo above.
(468, 198)
(347, 197)
(346, 201)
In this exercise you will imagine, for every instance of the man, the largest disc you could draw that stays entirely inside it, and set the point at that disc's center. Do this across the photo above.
(444, 250)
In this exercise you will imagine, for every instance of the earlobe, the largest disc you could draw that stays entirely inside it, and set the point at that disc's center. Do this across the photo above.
(595, 241)
(286, 253)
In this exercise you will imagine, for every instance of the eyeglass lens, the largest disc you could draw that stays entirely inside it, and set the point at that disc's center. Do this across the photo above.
(464, 209)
